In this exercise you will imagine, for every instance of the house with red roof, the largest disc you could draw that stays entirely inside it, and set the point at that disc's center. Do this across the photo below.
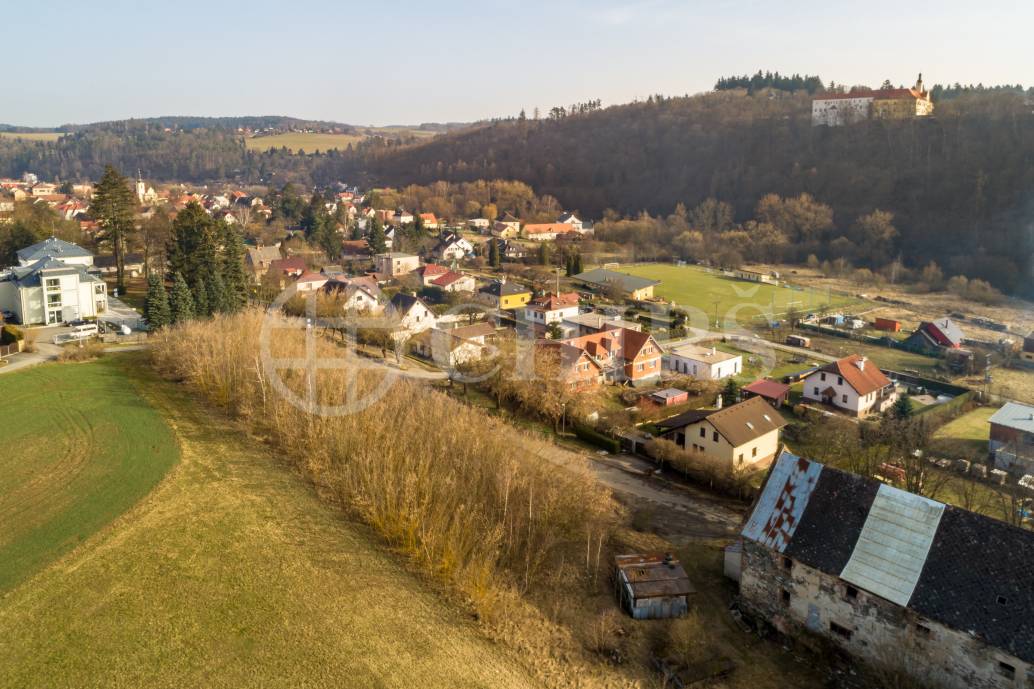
(623, 355)
(542, 311)
(451, 281)
(853, 384)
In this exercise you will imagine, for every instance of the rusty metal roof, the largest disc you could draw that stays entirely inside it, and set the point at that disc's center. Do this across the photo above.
(651, 576)
(779, 509)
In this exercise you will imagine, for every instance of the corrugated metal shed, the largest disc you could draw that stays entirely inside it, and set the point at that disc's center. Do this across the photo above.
(892, 548)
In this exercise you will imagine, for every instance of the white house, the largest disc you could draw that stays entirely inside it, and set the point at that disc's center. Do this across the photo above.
(411, 312)
(853, 384)
(51, 285)
(571, 219)
(479, 224)
(453, 248)
(396, 263)
(452, 281)
(703, 363)
(447, 348)
(551, 308)
(743, 436)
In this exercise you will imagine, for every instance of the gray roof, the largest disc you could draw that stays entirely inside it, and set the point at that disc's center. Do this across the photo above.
(29, 276)
(602, 277)
(52, 247)
(1015, 415)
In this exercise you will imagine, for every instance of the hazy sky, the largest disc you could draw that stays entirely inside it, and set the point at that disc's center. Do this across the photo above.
(448, 60)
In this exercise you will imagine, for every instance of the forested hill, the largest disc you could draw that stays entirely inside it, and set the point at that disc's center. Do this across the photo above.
(960, 184)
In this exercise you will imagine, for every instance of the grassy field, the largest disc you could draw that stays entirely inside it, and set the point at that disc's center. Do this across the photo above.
(232, 573)
(81, 447)
(966, 436)
(32, 136)
(738, 300)
(300, 141)
(885, 357)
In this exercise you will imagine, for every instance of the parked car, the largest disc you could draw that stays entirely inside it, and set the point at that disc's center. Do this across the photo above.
(76, 323)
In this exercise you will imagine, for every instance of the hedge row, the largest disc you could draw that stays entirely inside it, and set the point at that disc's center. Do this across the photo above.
(9, 334)
(591, 435)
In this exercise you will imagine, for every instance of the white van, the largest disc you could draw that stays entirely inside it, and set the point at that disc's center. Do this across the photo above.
(82, 332)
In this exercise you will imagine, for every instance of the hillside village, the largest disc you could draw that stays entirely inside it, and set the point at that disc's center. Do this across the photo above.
(721, 403)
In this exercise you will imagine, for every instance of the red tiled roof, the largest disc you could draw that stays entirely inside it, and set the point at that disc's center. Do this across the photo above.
(882, 94)
(864, 381)
(309, 276)
(432, 269)
(767, 388)
(288, 265)
(553, 302)
(546, 228)
(447, 279)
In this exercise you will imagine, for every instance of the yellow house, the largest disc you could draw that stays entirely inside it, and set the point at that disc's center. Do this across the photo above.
(505, 295)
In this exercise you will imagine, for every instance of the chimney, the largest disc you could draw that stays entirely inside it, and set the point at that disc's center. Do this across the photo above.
(714, 350)
(861, 364)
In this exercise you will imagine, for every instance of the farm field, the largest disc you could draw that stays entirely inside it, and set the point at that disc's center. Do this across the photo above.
(301, 141)
(232, 573)
(885, 357)
(695, 287)
(1014, 383)
(32, 136)
(80, 447)
(966, 436)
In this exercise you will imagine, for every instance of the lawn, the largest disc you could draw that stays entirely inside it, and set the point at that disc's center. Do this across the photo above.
(966, 436)
(81, 447)
(301, 141)
(739, 301)
(32, 136)
(885, 357)
(231, 573)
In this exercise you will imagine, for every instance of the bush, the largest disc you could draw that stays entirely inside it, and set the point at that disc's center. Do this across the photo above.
(591, 435)
(87, 352)
(10, 334)
(701, 468)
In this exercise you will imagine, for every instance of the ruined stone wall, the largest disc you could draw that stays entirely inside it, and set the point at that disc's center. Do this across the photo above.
(797, 599)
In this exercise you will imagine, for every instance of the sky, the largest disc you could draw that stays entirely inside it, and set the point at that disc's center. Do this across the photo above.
(411, 62)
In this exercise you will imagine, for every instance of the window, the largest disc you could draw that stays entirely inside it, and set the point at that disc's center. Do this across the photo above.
(785, 596)
(816, 391)
(840, 381)
(703, 432)
(740, 459)
(851, 593)
(839, 630)
(1006, 670)
(843, 398)
(787, 563)
(98, 289)
(53, 283)
(714, 436)
(754, 452)
(54, 299)
(822, 377)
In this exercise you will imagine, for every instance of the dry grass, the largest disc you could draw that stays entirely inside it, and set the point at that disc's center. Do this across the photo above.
(437, 479)
(83, 351)
(32, 136)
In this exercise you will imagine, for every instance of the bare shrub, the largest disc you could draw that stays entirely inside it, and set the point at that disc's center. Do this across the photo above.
(467, 496)
(702, 468)
(605, 633)
(29, 343)
(87, 352)
(689, 640)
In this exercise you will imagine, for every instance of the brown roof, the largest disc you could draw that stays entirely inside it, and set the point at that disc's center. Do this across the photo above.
(288, 265)
(883, 94)
(447, 278)
(863, 379)
(743, 422)
(482, 329)
(552, 302)
(630, 342)
(767, 388)
(653, 576)
(546, 228)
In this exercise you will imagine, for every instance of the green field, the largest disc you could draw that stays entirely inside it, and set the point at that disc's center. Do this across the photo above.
(300, 141)
(966, 436)
(80, 447)
(232, 572)
(32, 136)
(737, 300)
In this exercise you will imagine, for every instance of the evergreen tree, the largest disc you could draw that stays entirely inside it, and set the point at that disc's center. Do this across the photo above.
(545, 254)
(156, 306)
(493, 253)
(902, 408)
(112, 206)
(181, 302)
(201, 304)
(377, 240)
(191, 247)
(577, 268)
(731, 391)
(218, 300)
(234, 277)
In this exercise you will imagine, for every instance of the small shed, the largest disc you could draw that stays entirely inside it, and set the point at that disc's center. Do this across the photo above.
(651, 587)
(669, 396)
(887, 324)
(798, 341)
(772, 392)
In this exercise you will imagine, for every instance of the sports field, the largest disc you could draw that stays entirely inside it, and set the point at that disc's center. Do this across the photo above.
(80, 447)
(739, 300)
(230, 573)
(32, 136)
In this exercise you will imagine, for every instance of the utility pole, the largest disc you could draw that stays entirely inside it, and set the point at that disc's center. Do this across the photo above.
(716, 303)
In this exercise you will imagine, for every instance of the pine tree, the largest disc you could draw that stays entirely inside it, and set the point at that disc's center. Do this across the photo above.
(181, 302)
(545, 254)
(234, 277)
(191, 251)
(569, 265)
(577, 267)
(902, 408)
(731, 391)
(377, 240)
(201, 306)
(156, 307)
(218, 300)
(112, 205)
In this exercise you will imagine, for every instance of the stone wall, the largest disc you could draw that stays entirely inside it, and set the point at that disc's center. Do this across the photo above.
(799, 600)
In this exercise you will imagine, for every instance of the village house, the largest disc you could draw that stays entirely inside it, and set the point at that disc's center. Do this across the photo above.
(771, 391)
(412, 314)
(429, 221)
(510, 250)
(52, 283)
(452, 247)
(543, 311)
(453, 281)
(259, 258)
(890, 577)
(395, 264)
(1011, 440)
(943, 333)
(741, 436)
(480, 224)
(132, 264)
(309, 282)
(754, 276)
(630, 286)
(624, 355)
(448, 348)
(546, 232)
(579, 370)
(853, 384)
(504, 295)
(703, 363)
(586, 323)
(570, 219)
(429, 272)
(359, 295)
(506, 227)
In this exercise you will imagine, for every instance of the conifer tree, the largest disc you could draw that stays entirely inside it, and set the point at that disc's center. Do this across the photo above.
(156, 307)
(377, 240)
(112, 205)
(181, 302)
(493, 253)
(201, 306)
(218, 301)
(234, 277)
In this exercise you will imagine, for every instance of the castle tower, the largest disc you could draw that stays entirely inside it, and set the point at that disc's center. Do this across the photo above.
(141, 189)
(919, 83)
